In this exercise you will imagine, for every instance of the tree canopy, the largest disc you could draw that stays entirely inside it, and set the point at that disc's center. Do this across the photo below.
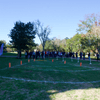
(91, 29)
(22, 35)
(1, 42)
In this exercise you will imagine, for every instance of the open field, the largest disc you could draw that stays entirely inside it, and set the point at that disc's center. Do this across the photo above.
(47, 80)
(13, 54)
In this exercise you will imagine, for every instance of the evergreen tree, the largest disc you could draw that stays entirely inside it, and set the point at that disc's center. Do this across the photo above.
(22, 36)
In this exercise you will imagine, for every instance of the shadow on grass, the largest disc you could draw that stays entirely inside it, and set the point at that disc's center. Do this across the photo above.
(15, 89)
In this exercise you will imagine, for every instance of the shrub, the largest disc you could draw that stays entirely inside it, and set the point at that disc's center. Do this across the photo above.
(8, 49)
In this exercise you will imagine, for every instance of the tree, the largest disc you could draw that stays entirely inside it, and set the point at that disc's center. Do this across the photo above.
(54, 43)
(32, 45)
(69, 47)
(22, 36)
(91, 26)
(76, 44)
(43, 33)
(94, 38)
(90, 21)
(63, 44)
(39, 47)
(3, 41)
(66, 38)
(48, 45)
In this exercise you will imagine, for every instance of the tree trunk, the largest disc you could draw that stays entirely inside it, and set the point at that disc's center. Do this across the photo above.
(43, 47)
(19, 53)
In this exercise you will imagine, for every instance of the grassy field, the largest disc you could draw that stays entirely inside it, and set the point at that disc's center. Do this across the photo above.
(47, 80)
(13, 54)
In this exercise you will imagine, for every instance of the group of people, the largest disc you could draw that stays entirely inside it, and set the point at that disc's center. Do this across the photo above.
(75, 55)
(43, 54)
(32, 54)
(54, 54)
(82, 55)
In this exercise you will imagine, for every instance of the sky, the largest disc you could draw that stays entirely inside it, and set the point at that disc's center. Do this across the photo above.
(62, 16)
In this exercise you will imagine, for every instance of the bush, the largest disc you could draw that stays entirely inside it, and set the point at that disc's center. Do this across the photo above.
(8, 49)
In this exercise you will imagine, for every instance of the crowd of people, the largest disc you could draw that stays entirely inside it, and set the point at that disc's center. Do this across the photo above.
(54, 54)
(43, 54)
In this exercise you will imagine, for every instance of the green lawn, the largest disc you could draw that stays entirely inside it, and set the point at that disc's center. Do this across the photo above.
(13, 54)
(47, 80)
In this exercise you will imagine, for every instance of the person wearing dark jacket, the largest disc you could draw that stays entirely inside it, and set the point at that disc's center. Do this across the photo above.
(30, 54)
(26, 55)
(80, 55)
(97, 56)
(83, 55)
(36, 54)
(76, 54)
(33, 55)
(89, 55)
(42, 54)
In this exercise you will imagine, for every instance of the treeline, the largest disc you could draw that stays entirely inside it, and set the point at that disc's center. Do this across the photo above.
(78, 43)
(87, 38)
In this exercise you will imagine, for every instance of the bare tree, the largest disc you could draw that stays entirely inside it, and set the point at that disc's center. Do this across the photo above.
(42, 32)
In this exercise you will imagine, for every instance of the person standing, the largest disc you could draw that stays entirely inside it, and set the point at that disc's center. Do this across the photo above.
(83, 55)
(36, 54)
(33, 55)
(39, 53)
(42, 54)
(97, 56)
(26, 55)
(89, 55)
(76, 54)
(30, 54)
(73, 54)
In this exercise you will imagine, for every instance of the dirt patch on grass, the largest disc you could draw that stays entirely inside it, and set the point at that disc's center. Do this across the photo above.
(81, 94)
